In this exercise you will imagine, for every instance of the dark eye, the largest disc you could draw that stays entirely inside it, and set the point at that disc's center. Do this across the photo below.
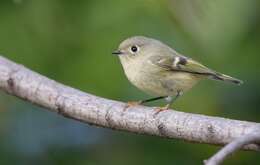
(134, 49)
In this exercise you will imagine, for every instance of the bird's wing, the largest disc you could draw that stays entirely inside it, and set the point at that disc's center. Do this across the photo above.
(181, 63)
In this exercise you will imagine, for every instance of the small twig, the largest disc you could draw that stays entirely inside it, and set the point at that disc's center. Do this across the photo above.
(234, 146)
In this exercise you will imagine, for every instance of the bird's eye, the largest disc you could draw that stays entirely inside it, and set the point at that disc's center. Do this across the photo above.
(134, 49)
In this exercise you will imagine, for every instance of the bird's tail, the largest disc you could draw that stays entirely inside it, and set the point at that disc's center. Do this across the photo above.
(226, 78)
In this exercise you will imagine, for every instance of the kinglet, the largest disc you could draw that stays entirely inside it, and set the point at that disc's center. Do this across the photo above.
(160, 71)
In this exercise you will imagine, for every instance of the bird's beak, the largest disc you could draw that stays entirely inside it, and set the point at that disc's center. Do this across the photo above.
(117, 52)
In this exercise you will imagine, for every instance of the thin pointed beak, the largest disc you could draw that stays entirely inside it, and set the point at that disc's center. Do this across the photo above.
(117, 52)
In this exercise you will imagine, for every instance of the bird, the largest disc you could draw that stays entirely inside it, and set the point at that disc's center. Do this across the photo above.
(160, 71)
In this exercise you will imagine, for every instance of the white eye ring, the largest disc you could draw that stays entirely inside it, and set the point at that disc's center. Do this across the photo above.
(134, 49)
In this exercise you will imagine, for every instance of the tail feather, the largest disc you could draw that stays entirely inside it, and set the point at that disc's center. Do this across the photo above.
(223, 77)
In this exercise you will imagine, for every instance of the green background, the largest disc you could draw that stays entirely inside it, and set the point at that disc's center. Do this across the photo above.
(71, 42)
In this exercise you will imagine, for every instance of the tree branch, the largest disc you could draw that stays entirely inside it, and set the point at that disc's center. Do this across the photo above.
(72, 103)
(233, 146)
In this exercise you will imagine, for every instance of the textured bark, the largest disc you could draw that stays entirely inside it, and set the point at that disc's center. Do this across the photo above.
(233, 146)
(19, 81)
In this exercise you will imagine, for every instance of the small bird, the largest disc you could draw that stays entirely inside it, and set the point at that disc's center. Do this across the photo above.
(160, 71)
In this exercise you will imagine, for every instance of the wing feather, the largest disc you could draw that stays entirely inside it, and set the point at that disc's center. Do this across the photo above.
(181, 64)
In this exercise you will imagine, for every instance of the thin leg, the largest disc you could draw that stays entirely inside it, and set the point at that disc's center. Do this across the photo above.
(167, 106)
(153, 99)
(179, 93)
(134, 103)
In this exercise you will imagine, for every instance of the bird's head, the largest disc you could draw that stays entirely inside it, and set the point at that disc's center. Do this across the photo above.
(137, 47)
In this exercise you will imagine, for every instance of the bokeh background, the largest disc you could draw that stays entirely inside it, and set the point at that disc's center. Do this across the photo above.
(71, 42)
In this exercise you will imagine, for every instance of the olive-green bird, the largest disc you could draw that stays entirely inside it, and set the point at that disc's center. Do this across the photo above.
(158, 70)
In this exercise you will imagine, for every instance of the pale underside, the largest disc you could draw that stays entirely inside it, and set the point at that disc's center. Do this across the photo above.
(155, 81)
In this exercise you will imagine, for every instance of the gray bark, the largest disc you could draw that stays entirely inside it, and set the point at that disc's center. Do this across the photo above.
(19, 81)
(233, 146)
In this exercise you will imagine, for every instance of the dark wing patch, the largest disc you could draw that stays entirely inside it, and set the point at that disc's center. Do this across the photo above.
(182, 61)
(178, 61)
(181, 64)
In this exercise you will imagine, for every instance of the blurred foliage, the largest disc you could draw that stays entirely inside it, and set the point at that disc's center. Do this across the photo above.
(72, 41)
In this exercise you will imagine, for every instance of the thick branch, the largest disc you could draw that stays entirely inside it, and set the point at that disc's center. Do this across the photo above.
(24, 83)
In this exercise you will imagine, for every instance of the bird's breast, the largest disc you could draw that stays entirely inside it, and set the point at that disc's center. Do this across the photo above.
(156, 81)
(145, 77)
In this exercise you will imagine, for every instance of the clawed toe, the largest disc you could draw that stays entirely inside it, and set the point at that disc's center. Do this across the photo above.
(160, 109)
(132, 104)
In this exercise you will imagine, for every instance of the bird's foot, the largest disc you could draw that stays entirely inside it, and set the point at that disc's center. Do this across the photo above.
(132, 104)
(160, 109)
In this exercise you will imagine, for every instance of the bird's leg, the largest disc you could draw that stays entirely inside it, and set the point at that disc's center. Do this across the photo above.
(170, 100)
(135, 103)
(153, 99)
(179, 93)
